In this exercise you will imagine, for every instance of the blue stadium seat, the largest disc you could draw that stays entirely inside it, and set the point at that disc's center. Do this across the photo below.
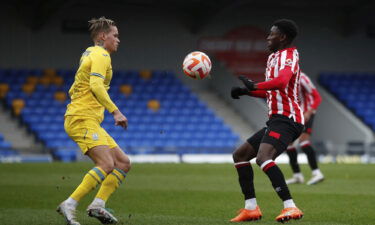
(182, 122)
(355, 90)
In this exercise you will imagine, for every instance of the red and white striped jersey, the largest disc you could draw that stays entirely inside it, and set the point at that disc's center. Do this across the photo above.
(284, 101)
(309, 95)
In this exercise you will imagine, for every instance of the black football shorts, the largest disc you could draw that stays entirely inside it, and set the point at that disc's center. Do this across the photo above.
(309, 125)
(279, 132)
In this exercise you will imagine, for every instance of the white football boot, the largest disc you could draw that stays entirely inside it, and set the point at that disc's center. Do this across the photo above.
(68, 212)
(104, 215)
(296, 179)
(317, 177)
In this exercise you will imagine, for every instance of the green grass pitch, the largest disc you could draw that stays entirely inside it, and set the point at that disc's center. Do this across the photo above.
(193, 194)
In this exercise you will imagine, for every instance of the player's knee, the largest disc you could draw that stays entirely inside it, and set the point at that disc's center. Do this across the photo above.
(124, 164)
(234, 156)
(261, 158)
(304, 137)
(243, 153)
(128, 166)
(107, 166)
(237, 156)
(259, 161)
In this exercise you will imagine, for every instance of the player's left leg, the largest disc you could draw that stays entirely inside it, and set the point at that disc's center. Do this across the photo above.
(265, 159)
(97, 208)
(305, 145)
(114, 179)
(281, 131)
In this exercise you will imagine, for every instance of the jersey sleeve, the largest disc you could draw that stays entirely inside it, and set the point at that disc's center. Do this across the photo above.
(309, 88)
(306, 84)
(258, 94)
(277, 83)
(317, 99)
(99, 65)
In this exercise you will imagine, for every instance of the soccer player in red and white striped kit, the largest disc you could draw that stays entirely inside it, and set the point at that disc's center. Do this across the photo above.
(285, 124)
(310, 100)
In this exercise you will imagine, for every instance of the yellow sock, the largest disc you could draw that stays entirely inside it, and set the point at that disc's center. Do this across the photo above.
(94, 177)
(110, 184)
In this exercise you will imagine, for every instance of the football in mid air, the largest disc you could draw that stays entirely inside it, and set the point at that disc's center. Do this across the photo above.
(197, 65)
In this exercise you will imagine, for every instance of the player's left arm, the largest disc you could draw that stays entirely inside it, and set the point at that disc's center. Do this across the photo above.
(99, 66)
(317, 99)
(101, 94)
(311, 90)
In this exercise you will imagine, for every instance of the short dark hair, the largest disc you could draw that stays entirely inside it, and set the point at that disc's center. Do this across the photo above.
(287, 27)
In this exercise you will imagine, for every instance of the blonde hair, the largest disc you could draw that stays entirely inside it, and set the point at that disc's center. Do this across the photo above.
(100, 25)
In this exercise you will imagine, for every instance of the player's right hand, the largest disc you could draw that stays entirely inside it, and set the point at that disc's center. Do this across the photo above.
(236, 92)
(247, 82)
(120, 119)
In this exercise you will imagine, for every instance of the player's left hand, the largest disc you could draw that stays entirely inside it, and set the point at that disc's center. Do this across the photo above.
(120, 119)
(250, 85)
(236, 92)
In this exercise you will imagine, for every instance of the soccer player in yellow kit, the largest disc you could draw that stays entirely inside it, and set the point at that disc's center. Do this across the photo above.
(89, 99)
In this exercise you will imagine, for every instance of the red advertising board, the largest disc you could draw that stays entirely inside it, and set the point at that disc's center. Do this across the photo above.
(243, 51)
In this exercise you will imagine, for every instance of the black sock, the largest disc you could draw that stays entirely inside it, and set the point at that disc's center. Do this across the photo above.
(311, 157)
(277, 179)
(292, 153)
(245, 178)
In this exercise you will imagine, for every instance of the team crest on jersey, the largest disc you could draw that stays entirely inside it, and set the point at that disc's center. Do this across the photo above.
(288, 62)
(95, 136)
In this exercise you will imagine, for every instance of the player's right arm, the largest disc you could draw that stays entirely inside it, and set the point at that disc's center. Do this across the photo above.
(288, 67)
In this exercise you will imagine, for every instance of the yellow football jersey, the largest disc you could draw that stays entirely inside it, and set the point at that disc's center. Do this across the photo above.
(89, 96)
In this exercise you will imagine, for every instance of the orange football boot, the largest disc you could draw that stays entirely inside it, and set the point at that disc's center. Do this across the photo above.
(248, 215)
(288, 214)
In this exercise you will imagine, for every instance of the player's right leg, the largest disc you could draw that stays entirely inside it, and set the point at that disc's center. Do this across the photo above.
(104, 165)
(297, 175)
(241, 158)
(87, 135)
(307, 148)
(305, 145)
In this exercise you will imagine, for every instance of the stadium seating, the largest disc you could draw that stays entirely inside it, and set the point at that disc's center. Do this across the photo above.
(6, 148)
(356, 91)
(164, 115)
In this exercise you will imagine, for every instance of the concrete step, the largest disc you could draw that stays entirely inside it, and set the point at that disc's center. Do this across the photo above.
(225, 111)
(17, 134)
